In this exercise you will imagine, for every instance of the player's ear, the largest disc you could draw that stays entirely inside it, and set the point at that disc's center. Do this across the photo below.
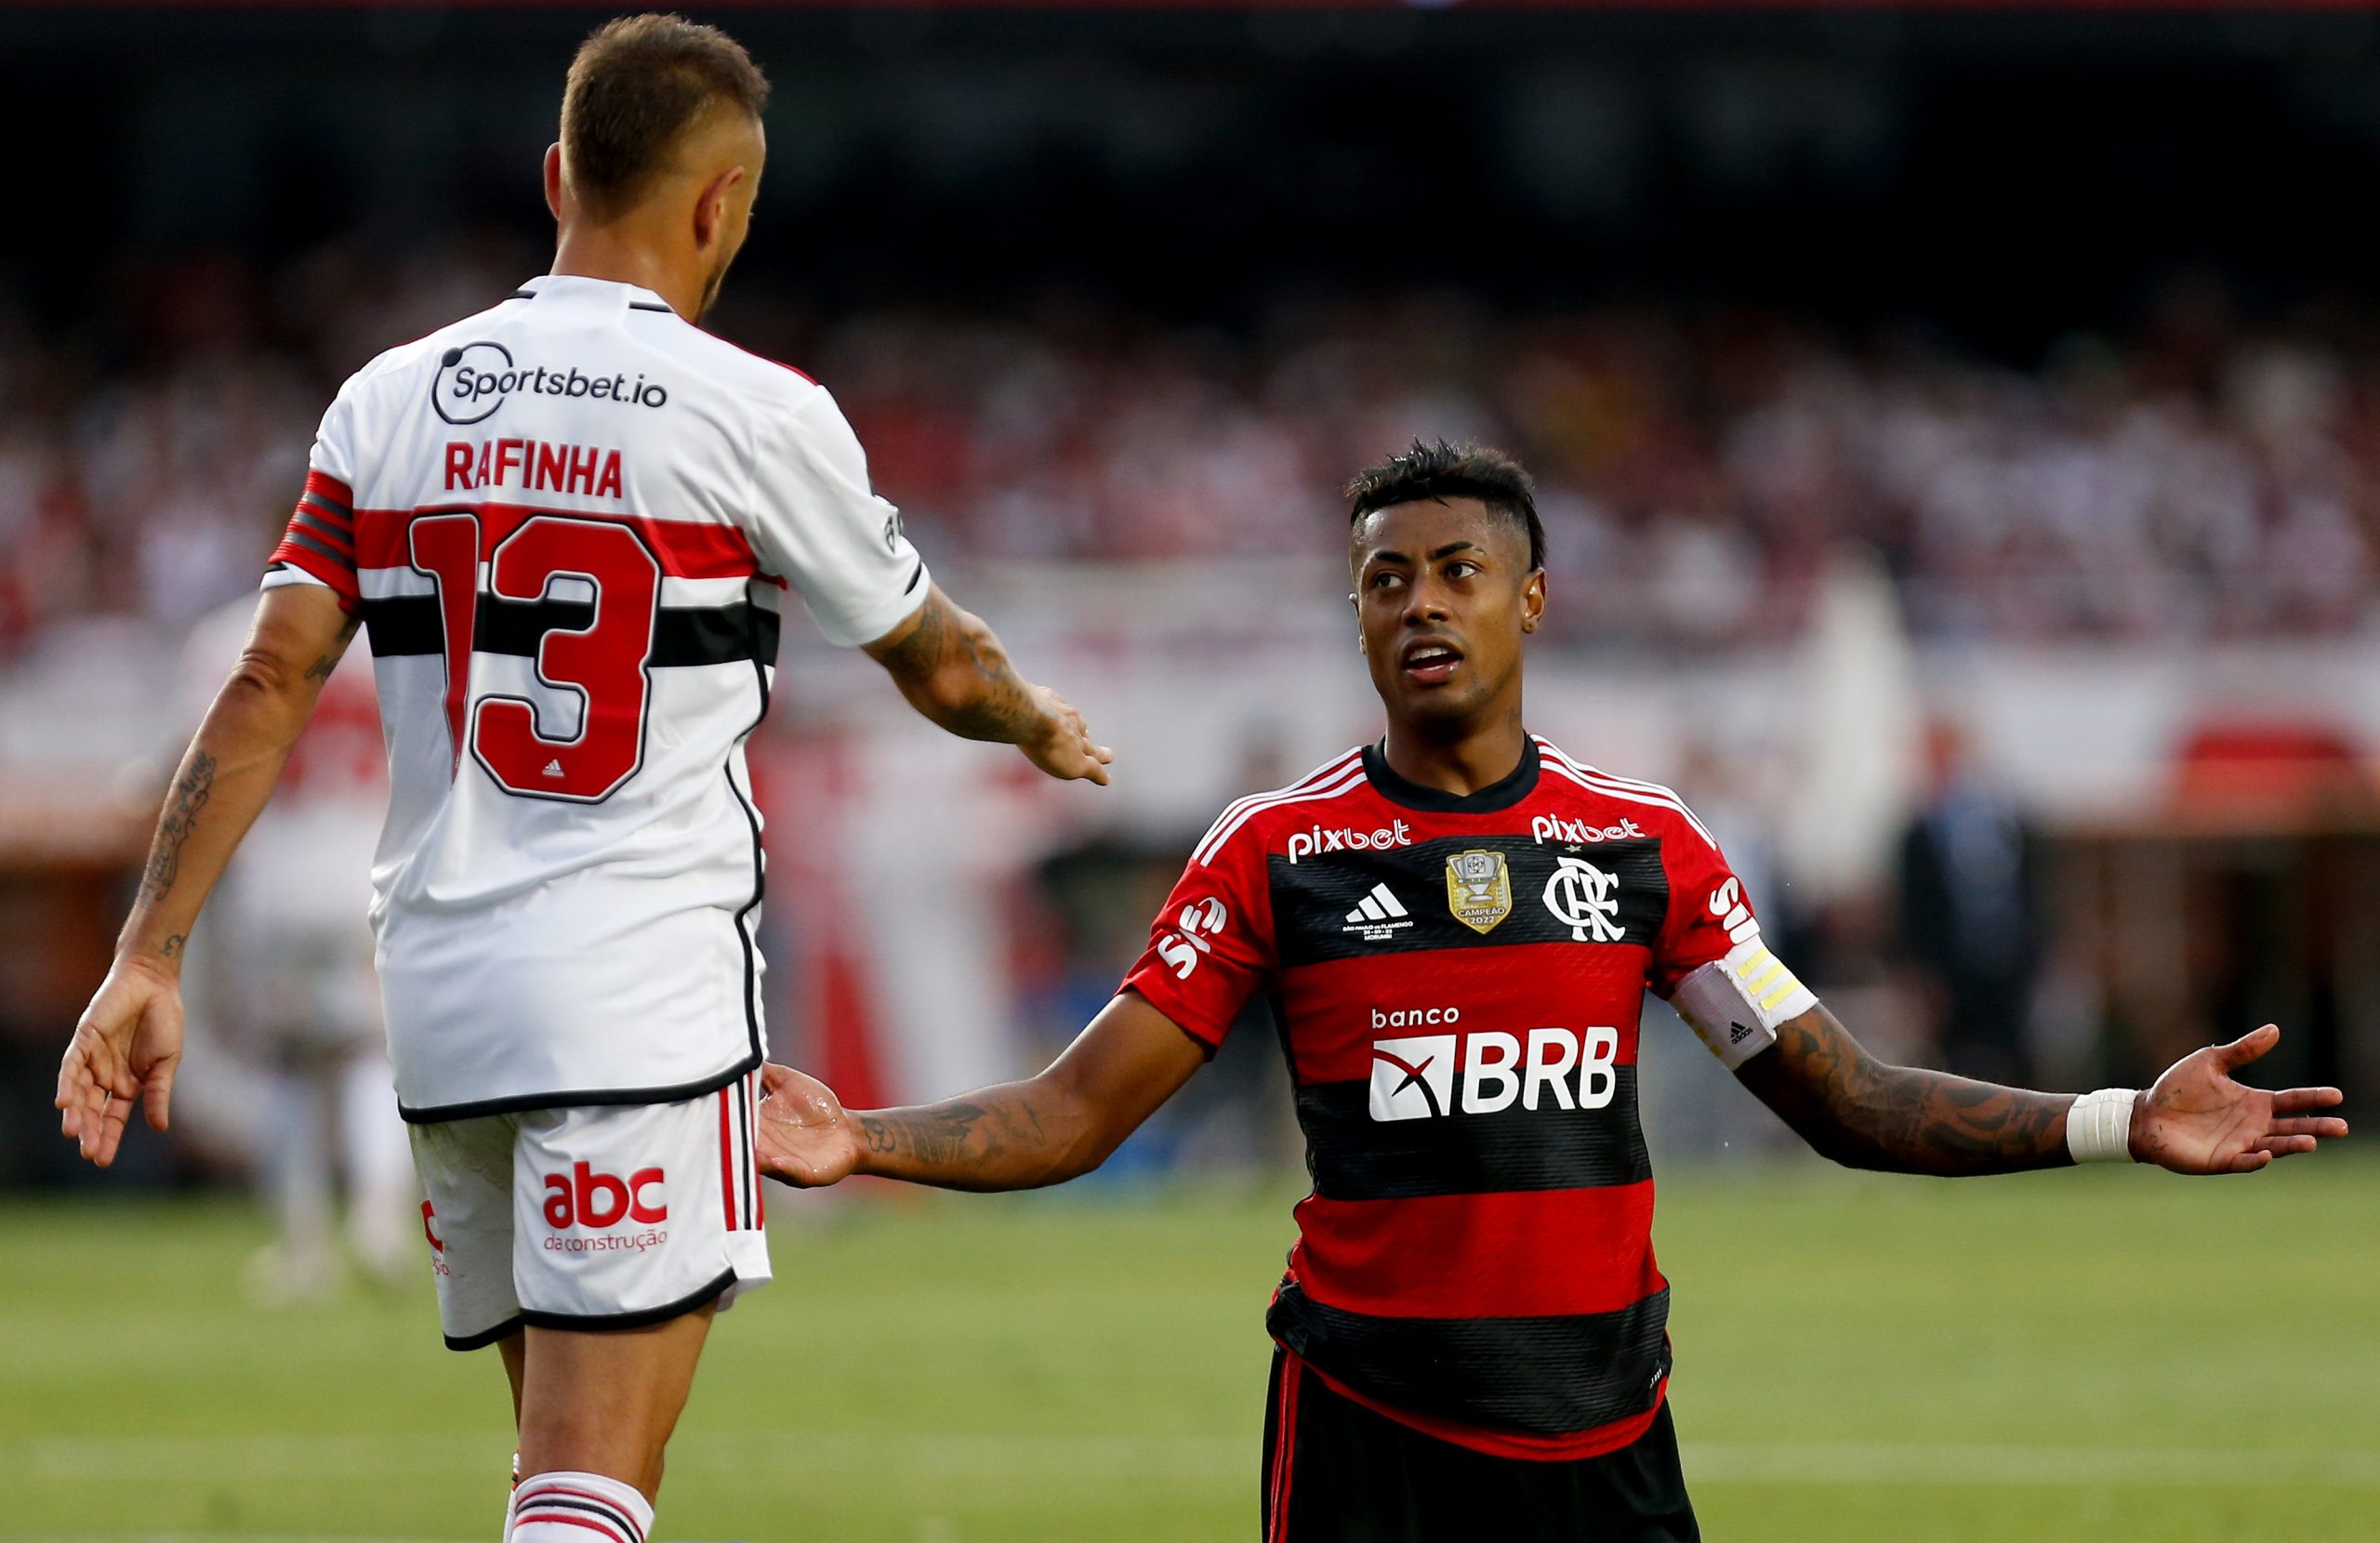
(553, 180)
(1533, 599)
(710, 209)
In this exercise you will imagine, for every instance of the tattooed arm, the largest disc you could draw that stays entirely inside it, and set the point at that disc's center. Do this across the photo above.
(952, 669)
(1863, 1114)
(1016, 1135)
(129, 1039)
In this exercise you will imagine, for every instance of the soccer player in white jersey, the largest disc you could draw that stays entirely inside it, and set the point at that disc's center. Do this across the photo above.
(567, 523)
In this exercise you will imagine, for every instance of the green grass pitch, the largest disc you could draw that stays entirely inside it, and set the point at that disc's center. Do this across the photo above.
(2102, 1355)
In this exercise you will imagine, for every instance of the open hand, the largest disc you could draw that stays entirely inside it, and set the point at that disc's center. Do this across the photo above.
(126, 1047)
(1066, 749)
(2198, 1120)
(806, 1139)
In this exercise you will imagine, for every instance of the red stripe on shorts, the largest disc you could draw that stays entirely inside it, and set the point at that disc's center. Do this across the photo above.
(1285, 1449)
(726, 1164)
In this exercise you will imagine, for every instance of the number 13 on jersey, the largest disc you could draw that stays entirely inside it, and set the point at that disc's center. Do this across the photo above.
(603, 664)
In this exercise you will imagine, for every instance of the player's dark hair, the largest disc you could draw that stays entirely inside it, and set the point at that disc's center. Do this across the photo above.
(1435, 470)
(638, 83)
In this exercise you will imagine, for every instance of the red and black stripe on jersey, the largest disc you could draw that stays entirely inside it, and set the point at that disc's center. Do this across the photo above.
(1476, 1258)
(320, 537)
(331, 540)
(401, 625)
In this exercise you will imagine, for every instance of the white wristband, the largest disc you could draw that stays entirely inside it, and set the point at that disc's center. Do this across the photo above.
(2098, 1128)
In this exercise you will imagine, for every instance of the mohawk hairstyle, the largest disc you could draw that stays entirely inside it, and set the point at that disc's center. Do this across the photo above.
(638, 83)
(1436, 470)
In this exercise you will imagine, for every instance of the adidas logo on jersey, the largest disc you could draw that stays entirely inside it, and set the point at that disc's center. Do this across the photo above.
(1378, 915)
(553, 769)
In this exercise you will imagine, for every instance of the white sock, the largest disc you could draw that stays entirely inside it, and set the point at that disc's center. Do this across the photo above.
(578, 1508)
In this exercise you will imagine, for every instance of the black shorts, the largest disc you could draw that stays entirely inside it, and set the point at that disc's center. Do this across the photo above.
(1342, 1474)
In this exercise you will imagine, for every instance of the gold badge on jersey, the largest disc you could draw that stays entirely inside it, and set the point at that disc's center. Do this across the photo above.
(1479, 889)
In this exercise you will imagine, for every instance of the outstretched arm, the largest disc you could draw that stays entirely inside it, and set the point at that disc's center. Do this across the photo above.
(1015, 1135)
(951, 667)
(128, 1041)
(1863, 1113)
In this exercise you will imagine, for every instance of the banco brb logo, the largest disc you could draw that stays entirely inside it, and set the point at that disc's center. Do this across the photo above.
(1487, 1071)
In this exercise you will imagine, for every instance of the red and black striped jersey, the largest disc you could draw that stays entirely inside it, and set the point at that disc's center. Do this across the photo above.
(1457, 981)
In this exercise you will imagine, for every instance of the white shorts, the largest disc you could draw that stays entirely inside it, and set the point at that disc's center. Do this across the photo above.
(593, 1217)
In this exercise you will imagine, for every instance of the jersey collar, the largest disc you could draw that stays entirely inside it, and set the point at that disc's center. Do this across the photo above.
(635, 297)
(1497, 796)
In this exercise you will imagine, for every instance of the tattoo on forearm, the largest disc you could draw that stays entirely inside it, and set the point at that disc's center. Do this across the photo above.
(943, 1131)
(1860, 1111)
(991, 1141)
(321, 669)
(915, 656)
(1002, 708)
(190, 791)
(172, 947)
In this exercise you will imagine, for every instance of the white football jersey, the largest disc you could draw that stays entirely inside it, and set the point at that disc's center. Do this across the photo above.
(567, 523)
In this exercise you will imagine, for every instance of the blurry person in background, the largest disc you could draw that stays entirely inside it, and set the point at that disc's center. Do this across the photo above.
(284, 980)
(1456, 927)
(1968, 920)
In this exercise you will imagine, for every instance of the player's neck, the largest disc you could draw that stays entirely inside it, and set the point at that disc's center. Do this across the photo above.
(609, 252)
(1472, 755)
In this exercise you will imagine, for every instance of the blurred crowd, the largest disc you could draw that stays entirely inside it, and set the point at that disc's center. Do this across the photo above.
(2194, 480)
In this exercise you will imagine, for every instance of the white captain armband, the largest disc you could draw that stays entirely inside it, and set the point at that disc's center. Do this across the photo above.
(1735, 1004)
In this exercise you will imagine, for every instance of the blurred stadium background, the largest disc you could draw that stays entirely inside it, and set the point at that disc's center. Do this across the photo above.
(1959, 432)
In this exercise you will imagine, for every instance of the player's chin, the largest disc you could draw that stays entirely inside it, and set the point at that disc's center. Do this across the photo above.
(1434, 701)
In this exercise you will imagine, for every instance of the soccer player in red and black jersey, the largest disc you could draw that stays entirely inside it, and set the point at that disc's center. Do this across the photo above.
(1455, 927)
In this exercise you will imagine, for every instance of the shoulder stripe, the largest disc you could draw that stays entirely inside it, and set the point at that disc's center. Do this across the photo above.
(1347, 784)
(1630, 795)
(1575, 764)
(1310, 786)
(1329, 769)
(1240, 807)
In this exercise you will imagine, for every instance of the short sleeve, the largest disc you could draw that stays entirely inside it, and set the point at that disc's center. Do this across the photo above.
(1210, 948)
(1711, 920)
(319, 545)
(818, 524)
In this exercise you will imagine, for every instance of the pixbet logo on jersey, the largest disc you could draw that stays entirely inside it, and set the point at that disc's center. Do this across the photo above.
(1553, 827)
(473, 380)
(1306, 843)
(1486, 1070)
(586, 1199)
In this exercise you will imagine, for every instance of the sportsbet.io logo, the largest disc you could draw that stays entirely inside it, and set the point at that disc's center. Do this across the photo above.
(474, 379)
(1487, 1071)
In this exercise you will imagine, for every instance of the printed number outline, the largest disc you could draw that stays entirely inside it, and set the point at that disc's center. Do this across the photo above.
(515, 717)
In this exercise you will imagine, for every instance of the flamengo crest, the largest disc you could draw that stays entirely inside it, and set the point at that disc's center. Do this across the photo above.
(1479, 889)
(1586, 899)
